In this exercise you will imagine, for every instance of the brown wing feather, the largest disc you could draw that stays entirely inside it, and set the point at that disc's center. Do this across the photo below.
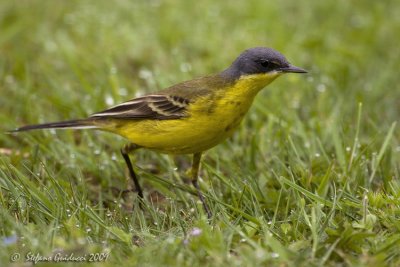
(161, 107)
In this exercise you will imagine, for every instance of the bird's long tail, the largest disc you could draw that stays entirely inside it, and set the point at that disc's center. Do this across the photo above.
(71, 124)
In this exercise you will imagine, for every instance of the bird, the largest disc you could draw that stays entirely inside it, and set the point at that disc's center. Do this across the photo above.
(189, 117)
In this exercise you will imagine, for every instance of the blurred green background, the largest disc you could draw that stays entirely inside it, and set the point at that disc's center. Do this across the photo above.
(331, 133)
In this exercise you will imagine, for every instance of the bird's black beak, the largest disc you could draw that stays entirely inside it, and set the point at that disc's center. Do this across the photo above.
(293, 69)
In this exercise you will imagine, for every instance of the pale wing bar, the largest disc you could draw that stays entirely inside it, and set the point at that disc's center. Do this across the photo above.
(160, 107)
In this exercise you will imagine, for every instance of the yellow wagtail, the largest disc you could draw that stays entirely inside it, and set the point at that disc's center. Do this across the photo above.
(189, 117)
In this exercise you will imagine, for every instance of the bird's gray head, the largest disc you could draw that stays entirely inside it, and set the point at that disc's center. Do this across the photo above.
(259, 60)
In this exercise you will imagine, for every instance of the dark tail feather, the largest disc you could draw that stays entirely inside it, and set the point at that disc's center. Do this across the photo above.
(71, 124)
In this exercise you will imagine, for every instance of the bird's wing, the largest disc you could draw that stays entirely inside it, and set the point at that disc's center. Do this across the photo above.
(161, 107)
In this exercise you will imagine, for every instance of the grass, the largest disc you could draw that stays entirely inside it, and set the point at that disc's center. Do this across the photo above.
(312, 177)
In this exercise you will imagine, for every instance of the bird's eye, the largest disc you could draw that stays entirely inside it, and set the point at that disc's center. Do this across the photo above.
(269, 65)
(265, 63)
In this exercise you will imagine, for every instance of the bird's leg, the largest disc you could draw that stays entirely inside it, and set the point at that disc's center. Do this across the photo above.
(195, 172)
(125, 153)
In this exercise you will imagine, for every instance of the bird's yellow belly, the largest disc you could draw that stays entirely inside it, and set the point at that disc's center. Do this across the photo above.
(184, 136)
(191, 134)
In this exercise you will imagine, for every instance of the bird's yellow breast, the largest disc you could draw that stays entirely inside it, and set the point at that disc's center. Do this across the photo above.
(210, 119)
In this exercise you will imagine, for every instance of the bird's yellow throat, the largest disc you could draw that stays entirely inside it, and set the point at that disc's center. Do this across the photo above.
(250, 85)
